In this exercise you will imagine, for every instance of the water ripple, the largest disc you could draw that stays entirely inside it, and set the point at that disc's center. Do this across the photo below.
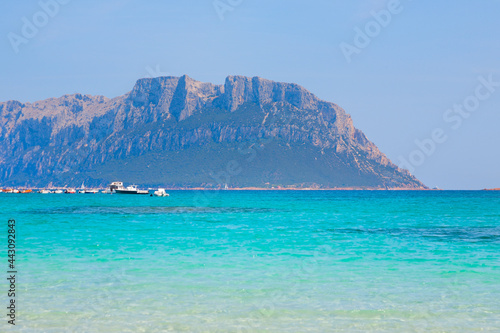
(144, 210)
(449, 234)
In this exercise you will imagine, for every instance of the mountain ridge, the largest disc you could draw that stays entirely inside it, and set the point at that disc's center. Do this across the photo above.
(180, 132)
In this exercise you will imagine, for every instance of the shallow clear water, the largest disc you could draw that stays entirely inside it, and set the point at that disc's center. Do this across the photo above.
(258, 261)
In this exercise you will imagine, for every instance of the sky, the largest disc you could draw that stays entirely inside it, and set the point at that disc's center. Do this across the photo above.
(420, 78)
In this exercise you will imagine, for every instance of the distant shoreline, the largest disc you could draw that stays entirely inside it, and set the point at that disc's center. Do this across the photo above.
(297, 189)
(251, 188)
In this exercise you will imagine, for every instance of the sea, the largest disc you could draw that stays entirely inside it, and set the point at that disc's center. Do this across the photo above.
(254, 261)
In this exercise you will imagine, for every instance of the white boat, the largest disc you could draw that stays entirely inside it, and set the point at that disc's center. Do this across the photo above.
(91, 191)
(106, 191)
(70, 191)
(161, 193)
(45, 191)
(58, 191)
(132, 189)
(116, 185)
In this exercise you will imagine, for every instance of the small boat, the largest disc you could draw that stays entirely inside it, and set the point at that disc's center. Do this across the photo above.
(26, 191)
(132, 189)
(58, 191)
(91, 191)
(70, 191)
(108, 191)
(161, 193)
(116, 185)
(82, 188)
(45, 191)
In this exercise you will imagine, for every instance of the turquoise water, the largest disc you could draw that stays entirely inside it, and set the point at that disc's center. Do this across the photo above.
(251, 261)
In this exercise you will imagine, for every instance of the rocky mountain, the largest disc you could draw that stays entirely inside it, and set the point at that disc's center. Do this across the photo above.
(178, 132)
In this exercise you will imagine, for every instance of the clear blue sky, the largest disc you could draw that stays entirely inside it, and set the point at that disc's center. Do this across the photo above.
(427, 58)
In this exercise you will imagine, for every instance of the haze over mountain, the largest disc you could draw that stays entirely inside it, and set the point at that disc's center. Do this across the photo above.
(178, 132)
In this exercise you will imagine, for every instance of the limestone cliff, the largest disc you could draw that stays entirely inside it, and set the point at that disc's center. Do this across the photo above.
(180, 132)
